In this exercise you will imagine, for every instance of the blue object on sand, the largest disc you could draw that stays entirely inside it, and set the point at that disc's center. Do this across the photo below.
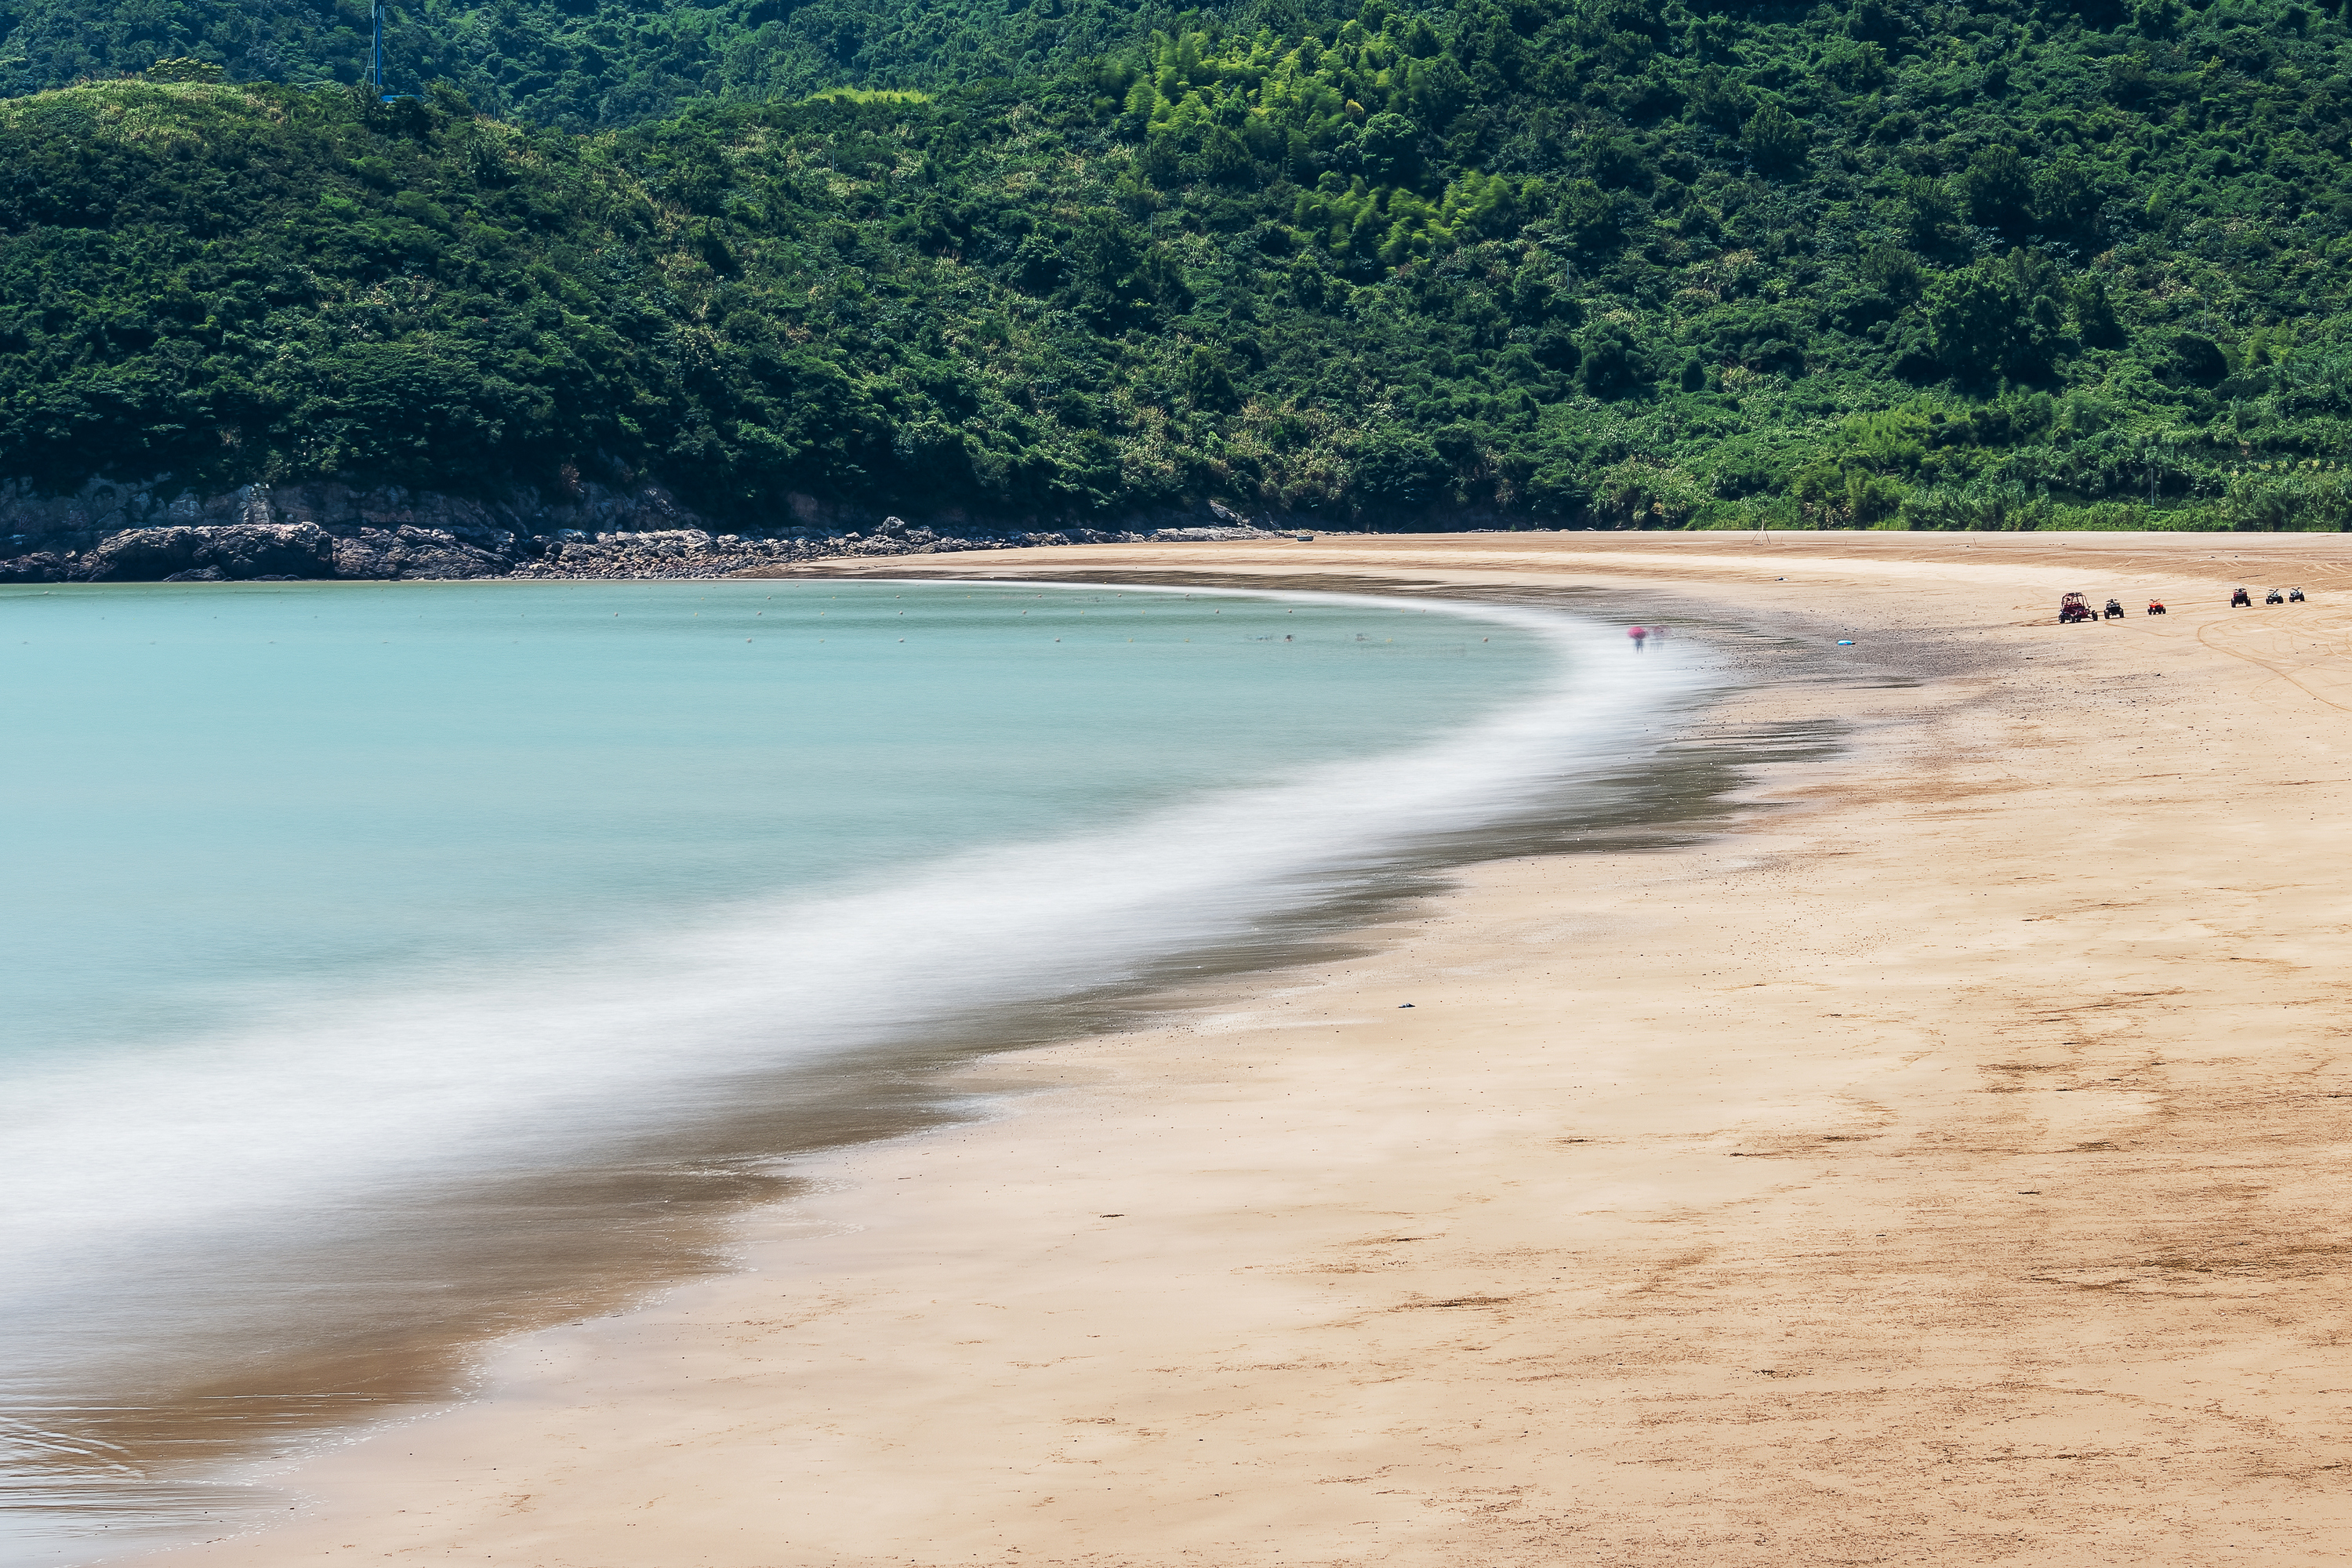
(1845, 642)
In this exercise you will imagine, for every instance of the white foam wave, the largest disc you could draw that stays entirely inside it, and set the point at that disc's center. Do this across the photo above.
(287, 1123)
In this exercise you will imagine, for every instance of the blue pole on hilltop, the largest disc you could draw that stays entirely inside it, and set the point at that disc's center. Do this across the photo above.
(376, 60)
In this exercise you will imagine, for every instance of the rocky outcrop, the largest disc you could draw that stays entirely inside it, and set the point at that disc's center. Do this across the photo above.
(112, 532)
(695, 553)
(411, 551)
(239, 552)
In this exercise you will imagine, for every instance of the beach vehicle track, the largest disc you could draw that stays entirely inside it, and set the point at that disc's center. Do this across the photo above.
(2290, 672)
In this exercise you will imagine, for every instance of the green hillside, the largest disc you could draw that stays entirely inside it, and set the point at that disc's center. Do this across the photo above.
(574, 63)
(1611, 263)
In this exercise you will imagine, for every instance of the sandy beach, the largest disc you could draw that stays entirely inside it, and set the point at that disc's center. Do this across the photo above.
(1945, 1162)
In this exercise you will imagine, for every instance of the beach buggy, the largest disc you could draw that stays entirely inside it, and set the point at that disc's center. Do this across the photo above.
(2075, 608)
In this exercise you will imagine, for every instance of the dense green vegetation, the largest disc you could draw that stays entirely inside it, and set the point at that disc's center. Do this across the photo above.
(1607, 262)
(573, 63)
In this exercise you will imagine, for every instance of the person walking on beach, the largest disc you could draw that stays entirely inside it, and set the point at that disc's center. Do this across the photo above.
(1637, 633)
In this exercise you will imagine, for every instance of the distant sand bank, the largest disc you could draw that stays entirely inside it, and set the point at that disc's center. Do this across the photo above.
(1948, 1164)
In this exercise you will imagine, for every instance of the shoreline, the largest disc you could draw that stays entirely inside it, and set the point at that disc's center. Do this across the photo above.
(1728, 1275)
(393, 541)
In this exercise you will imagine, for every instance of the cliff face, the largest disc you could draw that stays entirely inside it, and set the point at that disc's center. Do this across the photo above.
(111, 531)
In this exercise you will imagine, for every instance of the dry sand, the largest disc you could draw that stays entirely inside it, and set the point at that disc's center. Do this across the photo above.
(1946, 1165)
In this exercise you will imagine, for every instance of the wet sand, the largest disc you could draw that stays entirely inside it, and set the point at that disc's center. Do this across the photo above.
(1945, 1163)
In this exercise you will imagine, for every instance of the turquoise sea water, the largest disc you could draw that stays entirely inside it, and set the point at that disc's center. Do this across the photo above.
(334, 907)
